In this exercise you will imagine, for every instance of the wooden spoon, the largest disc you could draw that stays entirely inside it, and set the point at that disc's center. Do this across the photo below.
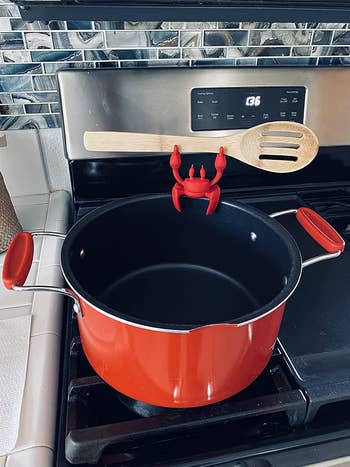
(275, 146)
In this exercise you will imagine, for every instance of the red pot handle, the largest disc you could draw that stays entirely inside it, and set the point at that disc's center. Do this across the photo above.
(17, 264)
(18, 260)
(320, 230)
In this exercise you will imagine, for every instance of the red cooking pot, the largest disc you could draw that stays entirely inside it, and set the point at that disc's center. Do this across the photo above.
(178, 309)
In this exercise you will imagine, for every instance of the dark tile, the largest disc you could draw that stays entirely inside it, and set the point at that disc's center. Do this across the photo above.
(102, 25)
(79, 25)
(9, 11)
(258, 51)
(77, 40)
(341, 37)
(224, 38)
(287, 61)
(55, 108)
(190, 38)
(288, 26)
(322, 37)
(15, 83)
(20, 25)
(6, 98)
(54, 67)
(56, 56)
(20, 68)
(44, 82)
(11, 40)
(34, 97)
(334, 61)
(30, 122)
(38, 40)
(154, 63)
(121, 54)
(198, 53)
(11, 109)
(344, 50)
(212, 62)
(169, 53)
(280, 37)
(37, 108)
(228, 25)
(107, 64)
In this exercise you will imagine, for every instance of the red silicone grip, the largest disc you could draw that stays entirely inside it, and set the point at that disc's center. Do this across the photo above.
(319, 229)
(18, 260)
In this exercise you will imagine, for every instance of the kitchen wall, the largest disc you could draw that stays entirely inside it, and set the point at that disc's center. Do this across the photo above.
(32, 52)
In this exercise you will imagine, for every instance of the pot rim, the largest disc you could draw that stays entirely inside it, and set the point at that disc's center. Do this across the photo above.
(292, 283)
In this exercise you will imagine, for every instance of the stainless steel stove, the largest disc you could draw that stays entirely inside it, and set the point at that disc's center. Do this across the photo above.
(302, 399)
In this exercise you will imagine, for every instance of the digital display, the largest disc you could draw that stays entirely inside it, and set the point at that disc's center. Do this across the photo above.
(253, 101)
(234, 108)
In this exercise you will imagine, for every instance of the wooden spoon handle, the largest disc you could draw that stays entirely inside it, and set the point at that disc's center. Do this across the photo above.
(110, 141)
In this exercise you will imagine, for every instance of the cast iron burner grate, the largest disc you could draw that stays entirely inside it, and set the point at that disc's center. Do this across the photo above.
(100, 425)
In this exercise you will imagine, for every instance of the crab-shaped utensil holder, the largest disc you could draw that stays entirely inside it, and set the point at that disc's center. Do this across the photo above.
(197, 187)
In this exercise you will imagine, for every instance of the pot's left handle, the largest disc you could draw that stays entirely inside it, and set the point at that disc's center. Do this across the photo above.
(320, 230)
(17, 264)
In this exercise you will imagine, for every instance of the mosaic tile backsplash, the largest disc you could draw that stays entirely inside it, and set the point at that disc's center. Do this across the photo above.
(32, 52)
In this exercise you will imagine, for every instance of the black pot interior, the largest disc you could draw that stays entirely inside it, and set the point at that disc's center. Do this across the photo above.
(145, 262)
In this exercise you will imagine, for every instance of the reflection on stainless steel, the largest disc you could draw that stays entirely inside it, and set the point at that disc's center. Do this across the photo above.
(90, 100)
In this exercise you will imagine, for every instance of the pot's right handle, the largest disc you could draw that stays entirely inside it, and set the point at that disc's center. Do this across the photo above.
(17, 264)
(320, 230)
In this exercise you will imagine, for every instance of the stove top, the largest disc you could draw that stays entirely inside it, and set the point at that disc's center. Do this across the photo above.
(302, 399)
(305, 390)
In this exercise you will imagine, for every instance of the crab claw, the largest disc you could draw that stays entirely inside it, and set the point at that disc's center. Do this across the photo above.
(175, 158)
(202, 172)
(191, 171)
(220, 161)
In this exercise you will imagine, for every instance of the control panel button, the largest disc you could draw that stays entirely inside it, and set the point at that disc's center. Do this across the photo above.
(266, 116)
(294, 114)
(230, 117)
(283, 114)
(283, 100)
(295, 100)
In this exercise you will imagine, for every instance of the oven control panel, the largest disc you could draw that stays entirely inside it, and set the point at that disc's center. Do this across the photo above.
(244, 107)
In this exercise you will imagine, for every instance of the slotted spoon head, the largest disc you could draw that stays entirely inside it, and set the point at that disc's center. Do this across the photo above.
(279, 146)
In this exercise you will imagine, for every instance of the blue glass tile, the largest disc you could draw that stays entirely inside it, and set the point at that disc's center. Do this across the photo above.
(77, 40)
(287, 61)
(322, 37)
(211, 62)
(334, 61)
(154, 63)
(37, 108)
(34, 97)
(11, 109)
(38, 40)
(107, 64)
(54, 67)
(128, 39)
(44, 82)
(169, 53)
(198, 53)
(79, 25)
(56, 56)
(30, 122)
(122, 54)
(5, 98)
(11, 40)
(15, 83)
(225, 38)
(55, 108)
(20, 68)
